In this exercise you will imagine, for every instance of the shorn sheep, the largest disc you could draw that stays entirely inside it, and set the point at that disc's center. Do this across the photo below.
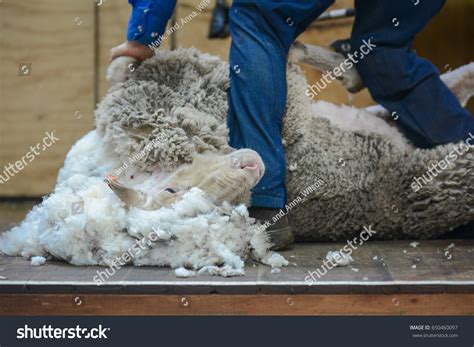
(177, 187)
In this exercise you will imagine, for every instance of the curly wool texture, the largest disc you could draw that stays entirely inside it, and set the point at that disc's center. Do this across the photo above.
(368, 167)
(193, 233)
(366, 164)
(152, 107)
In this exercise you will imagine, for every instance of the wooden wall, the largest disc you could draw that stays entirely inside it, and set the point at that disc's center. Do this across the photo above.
(64, 46)
(55, 87)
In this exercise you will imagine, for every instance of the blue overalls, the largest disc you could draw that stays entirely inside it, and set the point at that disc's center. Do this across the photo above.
(262, 32)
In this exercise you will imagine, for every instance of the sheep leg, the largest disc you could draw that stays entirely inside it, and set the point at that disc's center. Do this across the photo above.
(460, 81)
(325, 60)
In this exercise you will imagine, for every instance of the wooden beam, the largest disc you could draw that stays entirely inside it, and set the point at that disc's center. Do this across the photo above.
(267, 305)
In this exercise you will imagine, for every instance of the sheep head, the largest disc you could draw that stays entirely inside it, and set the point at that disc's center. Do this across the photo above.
(223, 177)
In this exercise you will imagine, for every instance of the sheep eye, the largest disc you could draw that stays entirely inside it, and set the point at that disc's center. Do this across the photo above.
(170, 190)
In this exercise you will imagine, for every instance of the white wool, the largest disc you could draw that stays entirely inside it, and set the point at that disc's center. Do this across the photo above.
(183, 272)
(274, 260)
(38, 261)
(339, 258)
(193, 233)
(414, 244)
(224, 271)
(359, 121)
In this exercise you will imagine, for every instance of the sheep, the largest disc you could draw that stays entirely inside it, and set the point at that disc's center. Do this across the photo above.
(164, 119)
(372, 174)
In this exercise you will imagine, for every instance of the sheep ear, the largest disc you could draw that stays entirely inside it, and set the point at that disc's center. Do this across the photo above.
(121, 68)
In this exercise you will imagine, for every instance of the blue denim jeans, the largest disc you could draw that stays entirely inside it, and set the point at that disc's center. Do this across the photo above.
(262, 32)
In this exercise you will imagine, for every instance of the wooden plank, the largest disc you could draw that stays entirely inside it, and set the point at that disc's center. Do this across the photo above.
(288, 305)
(47, 83)
(380, 267)
(449, 260)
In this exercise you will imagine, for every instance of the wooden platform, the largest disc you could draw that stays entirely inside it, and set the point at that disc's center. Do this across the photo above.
(382, 280)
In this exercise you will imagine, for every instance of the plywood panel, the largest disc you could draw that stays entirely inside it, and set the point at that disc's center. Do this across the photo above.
(52, 91)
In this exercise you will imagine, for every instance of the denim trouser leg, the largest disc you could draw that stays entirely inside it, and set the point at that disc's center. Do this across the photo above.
(262, 33)
(402, 82)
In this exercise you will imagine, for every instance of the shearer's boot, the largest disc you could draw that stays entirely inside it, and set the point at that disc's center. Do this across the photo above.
(280, 233)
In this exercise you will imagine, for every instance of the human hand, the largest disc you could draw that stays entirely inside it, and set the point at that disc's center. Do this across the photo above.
(132, 49)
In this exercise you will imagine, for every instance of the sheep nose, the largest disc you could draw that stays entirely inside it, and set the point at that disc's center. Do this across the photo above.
(248, 160)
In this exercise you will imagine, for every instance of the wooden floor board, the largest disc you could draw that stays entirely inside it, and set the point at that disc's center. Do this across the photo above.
(292, 305)
(435, 273)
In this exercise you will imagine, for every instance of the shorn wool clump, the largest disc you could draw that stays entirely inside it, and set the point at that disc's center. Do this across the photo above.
(84, 223)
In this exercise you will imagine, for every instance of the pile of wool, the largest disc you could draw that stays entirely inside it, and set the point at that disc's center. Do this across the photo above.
(84, 223)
